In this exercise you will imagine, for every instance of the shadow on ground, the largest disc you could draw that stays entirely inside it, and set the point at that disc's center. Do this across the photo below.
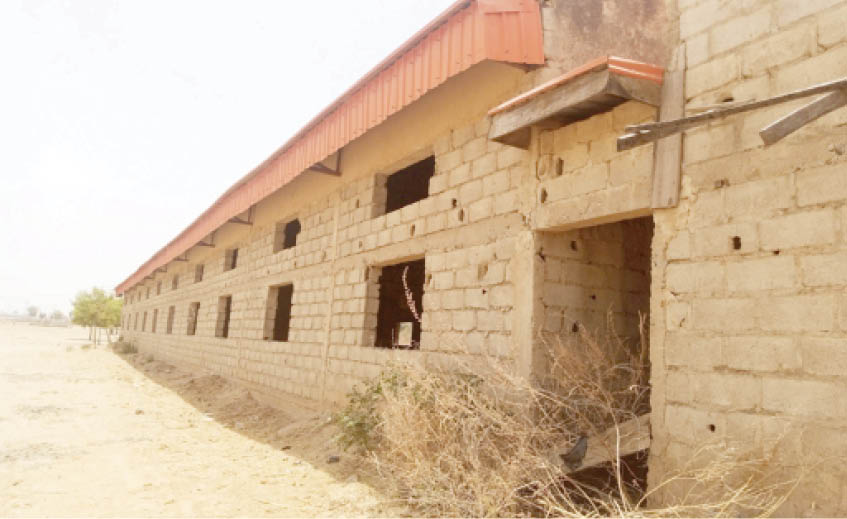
(299, 431)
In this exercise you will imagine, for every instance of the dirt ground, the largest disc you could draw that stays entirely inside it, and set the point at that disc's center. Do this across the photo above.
(85, 432)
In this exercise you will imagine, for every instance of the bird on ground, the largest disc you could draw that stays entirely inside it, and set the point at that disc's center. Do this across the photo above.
(573, 458)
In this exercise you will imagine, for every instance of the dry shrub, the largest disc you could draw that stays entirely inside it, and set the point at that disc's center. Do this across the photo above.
(124, 347)
(477, 441)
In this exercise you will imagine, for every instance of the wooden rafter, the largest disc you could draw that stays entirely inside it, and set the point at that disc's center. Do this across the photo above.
(645, 133)
(244, 221)
(320, 167)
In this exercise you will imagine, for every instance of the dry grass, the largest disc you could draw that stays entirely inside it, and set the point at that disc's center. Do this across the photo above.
(124, 347)
(477, 441)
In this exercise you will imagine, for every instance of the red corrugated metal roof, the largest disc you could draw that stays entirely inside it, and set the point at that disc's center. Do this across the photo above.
(468, 32)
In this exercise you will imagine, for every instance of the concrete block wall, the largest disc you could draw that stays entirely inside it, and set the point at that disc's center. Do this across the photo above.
(462, 228)
(748, 332)
(583, 180)
(596, 278)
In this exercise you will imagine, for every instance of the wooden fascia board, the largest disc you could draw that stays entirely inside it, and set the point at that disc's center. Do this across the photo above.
(577, 99)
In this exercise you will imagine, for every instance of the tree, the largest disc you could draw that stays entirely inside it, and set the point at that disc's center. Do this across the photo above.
(97, 309)
(32, 310)
(57, 315)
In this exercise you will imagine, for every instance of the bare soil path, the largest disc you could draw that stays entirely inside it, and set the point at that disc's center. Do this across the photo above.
(85, 432)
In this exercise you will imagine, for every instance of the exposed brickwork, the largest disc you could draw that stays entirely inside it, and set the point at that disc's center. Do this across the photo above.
(748, 271)
(745, 279)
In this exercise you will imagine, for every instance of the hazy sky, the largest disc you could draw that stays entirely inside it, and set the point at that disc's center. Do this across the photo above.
(121, 121)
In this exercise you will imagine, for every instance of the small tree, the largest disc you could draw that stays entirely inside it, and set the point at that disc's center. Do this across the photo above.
(97, 309)
(32, 310)
(57, 315)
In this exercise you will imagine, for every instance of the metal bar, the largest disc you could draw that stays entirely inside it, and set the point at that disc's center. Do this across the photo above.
(645, 133)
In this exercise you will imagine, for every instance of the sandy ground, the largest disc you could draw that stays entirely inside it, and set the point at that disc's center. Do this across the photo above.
(85, 432)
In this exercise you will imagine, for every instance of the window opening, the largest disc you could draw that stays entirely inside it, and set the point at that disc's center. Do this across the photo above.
(170, 326)
(397, 325)
(193, 312)
(409, 185)
(224, 309)
(278, 321)
(230, 259)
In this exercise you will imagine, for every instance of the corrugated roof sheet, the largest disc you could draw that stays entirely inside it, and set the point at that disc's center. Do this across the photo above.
(467, 33)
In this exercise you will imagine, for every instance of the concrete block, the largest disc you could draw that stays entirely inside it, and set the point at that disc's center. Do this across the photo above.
(470, 192)
(798, 230)
(701, 277)
(463, 135)
(824, 356)
(817, 69)
(824, 269)
(800, 313)
(464, 320)
(757, 353)
(778, 49)
(757, 274)
(789, 11)
(692, 351)
(704, 15)
(804, 398)
(711, 75)
(740, 30)
(725, 315)
(459, 175)
(474, 149)
(821, 185)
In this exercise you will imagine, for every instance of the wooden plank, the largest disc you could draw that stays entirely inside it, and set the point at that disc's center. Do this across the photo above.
(616, 442)
(667, 154)
(802, 116)
(548, 105)
(640, 134)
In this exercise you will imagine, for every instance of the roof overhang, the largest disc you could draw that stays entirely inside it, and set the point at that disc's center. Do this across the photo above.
(595, 87)
(467, 33)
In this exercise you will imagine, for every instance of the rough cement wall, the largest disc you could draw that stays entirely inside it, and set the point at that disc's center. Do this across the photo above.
(749, 314)
(576, 32)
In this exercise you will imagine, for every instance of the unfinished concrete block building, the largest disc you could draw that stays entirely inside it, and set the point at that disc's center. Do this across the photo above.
(480, 159)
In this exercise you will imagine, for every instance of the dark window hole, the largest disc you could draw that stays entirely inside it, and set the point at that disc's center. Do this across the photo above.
(397, 325)
(409, 185)
(736, 242)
